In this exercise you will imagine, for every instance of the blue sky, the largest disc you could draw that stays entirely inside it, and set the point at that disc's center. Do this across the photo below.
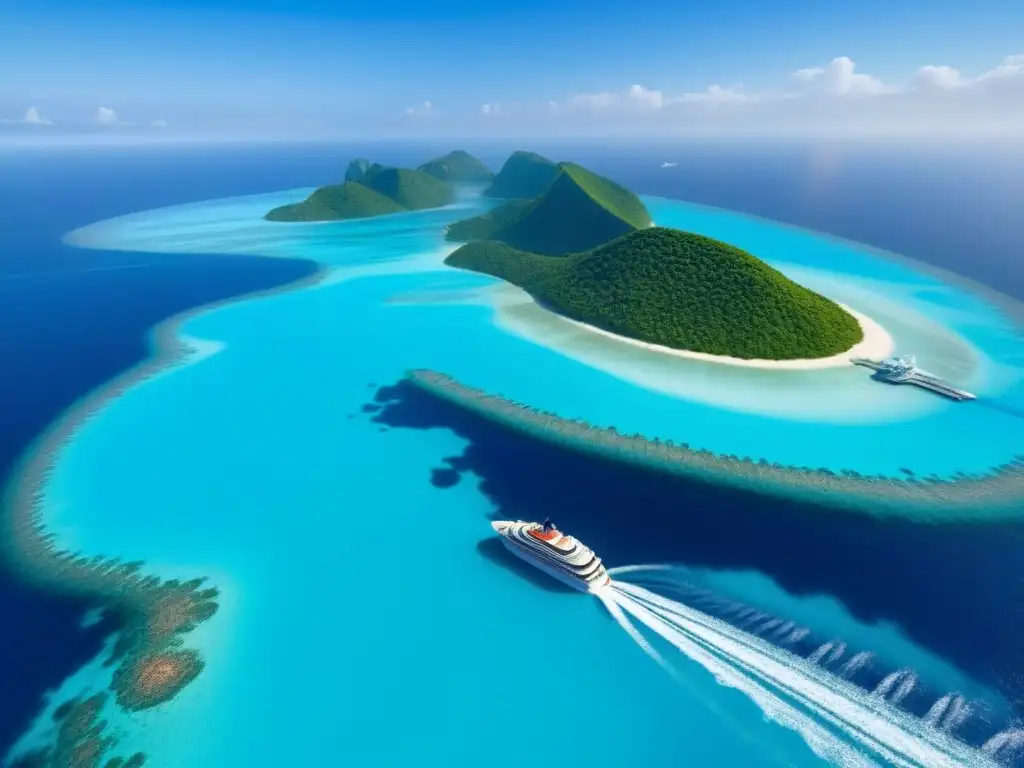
(278, 67)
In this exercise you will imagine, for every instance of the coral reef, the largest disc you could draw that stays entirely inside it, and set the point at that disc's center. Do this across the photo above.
(996, 494)
(81, 741)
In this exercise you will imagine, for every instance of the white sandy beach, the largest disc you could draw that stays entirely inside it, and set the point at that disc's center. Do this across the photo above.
(876, 344)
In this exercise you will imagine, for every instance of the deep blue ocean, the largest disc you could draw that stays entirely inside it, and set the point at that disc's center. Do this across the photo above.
(70, 319)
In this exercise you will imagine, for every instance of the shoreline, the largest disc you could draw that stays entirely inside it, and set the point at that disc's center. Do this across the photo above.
(1011, 308)
(154, 615)
(876, 344)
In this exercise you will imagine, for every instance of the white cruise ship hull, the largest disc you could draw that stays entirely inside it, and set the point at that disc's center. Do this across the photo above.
(537, 562)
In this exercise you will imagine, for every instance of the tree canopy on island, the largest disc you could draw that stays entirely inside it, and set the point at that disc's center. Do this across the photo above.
(578, 210)
(679, 290)
(524, 174)
(380, 190)
(457, 166)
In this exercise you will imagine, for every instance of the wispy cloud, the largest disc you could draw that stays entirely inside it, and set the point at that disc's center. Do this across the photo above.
(497, 109)
(105, 116)
(32, 116)
(159, 123)
(832, 97)
(839, 78)
(426, 109)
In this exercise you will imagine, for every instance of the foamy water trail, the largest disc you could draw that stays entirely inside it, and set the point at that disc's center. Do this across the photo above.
(884, 688)
(836, 654)
(1005, 743)
(626, 624)
(755, 618)
(904, 688)
(819, 654)
(816, 736)
(938, 710)
(856, 663)
(785, 630)
(957, 714)
(839, 721)
(797, 635)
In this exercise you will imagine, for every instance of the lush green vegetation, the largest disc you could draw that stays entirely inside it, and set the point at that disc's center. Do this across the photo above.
(457, 166)
(524, 174)
(579, 210)
(679, 290)
(411, 189)
(350, 200)
(357, 169)
(487, 225)
(380, 190)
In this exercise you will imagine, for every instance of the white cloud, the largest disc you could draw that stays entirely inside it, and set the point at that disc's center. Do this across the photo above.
(1009, 70)
(938, 77)
(32, 117)
(425, 109)
(498, 109)
(836, 98)
(716, 94)
(160, 123)
(105, 116)
(839, 78)
(636, 97)
(645, 98)
(1011, 67)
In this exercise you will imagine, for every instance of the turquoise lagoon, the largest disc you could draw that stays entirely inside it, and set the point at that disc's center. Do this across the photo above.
(360, 623)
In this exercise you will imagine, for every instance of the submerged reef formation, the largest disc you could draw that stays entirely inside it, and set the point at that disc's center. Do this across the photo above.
(82, 740)
(524, 174)
(964, 497)
(152, 665)
(677, 289)
(155, 614)
(376, 190)
(457, 166)
(577, 211)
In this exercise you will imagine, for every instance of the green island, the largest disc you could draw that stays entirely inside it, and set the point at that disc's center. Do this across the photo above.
(357, 169)
(679, 290)
(577, 211)
(993, 495)
(376, 190)
(585, 248)
(458, 167)
(524, 174)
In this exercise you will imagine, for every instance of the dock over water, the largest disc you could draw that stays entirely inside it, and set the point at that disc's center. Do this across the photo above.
(900, 371)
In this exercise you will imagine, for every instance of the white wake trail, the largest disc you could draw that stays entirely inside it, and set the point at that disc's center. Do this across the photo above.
(904, 688)
(837, 719)
(855, 664)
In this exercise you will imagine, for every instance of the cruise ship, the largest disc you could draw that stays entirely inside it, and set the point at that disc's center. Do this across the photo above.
(547, 548)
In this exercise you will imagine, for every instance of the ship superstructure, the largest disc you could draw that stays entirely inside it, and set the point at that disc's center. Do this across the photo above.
(547, 548)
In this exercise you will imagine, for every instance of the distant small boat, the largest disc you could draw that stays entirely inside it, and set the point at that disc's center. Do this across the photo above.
(667, 164)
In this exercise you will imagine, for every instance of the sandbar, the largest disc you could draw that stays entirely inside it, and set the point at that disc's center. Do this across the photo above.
(876, 345)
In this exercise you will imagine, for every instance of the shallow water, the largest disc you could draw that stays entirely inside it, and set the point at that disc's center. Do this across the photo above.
(360, 600)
